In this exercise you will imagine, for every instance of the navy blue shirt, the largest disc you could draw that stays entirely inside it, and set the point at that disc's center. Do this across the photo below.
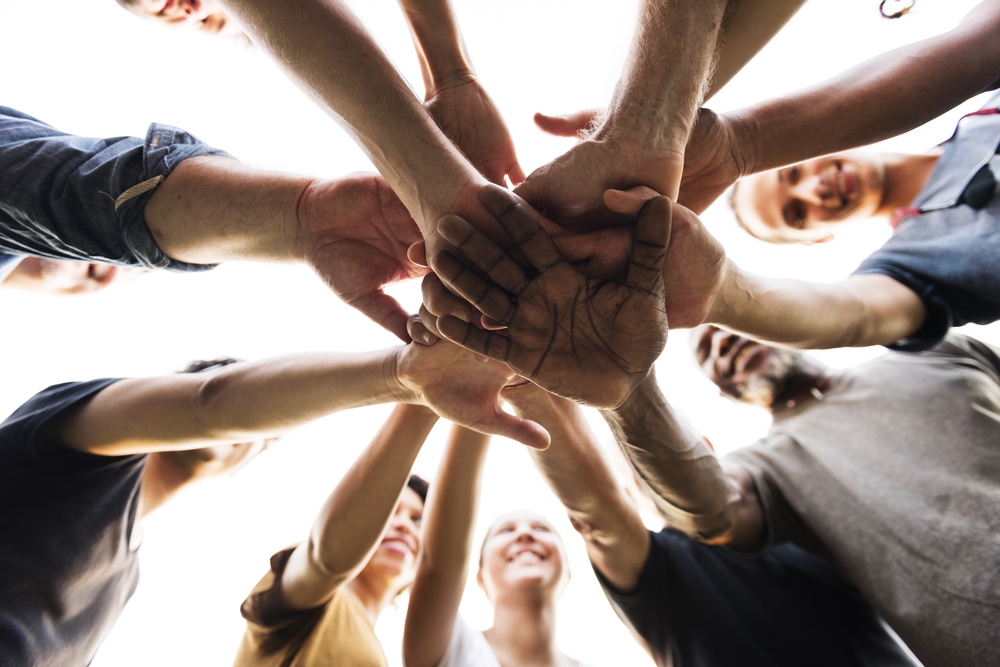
(66, 520)
(949, 252)
(703, 606)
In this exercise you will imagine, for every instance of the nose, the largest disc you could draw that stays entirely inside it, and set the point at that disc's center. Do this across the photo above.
(524, 535)
(815, 190)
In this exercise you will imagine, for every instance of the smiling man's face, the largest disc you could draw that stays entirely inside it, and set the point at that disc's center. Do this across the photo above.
(741, 368)
(804, 203)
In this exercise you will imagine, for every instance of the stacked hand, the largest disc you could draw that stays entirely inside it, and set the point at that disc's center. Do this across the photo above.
(355, 233)
(463, 388)
(584, 338)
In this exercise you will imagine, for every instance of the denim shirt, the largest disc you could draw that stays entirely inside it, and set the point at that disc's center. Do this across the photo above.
(79, 198)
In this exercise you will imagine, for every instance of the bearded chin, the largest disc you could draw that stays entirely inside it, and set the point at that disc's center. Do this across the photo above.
(763, 389)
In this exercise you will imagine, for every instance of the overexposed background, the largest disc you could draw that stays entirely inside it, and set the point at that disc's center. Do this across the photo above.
(92, 69)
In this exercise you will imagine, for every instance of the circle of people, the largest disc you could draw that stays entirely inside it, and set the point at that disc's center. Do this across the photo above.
(873, 501)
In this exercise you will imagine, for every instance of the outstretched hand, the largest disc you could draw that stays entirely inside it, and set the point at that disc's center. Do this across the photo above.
(355, 233)
(464, 388)
(588, 339)
(468, 116)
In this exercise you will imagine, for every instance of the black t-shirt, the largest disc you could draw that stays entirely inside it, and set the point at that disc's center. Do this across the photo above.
(66, 521)
(703, 606)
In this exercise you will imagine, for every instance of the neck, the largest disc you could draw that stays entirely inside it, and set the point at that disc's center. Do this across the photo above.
(905, 176)
(523, 632)
(804, 387)
(374, 593)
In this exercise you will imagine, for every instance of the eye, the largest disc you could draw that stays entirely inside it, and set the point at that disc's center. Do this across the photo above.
(793, 175)
(505, 529)
(542, 528)
(795, 214)
(416, 519)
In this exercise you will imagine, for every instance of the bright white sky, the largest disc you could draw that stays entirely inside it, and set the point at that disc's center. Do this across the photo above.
(92, 69)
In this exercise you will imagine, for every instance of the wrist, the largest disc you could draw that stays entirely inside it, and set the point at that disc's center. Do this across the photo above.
(745, 131)
(726, 304)
(393, 378)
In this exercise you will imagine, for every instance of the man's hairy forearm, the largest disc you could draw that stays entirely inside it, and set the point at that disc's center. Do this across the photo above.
(684, 475)
(665, 78)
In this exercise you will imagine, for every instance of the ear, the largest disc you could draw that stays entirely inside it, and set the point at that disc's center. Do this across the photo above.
(479, 580)
(825, 239)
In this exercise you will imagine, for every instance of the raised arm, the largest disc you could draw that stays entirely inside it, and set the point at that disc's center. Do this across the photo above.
(688, 484)
(354, 517)
(875, 100)
(649, 119)
(453, 93)
(576, 471)
(449, 523)
(255, 400)
(325, 49)
(702, 285)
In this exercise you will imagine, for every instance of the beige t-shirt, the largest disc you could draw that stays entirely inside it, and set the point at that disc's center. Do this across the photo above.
(895, 476)
(337, 634)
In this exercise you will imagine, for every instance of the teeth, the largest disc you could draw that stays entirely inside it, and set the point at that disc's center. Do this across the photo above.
(739, 355)
(527, 555)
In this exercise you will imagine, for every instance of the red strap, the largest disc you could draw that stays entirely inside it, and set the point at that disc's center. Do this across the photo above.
(902, 212)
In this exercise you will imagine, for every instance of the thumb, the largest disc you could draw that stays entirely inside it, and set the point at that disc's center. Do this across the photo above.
(629, 202)
(568, 125)
(522, 430)
(385, 311)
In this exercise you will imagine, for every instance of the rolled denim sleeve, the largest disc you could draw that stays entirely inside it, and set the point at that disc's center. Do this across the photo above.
(69, 197)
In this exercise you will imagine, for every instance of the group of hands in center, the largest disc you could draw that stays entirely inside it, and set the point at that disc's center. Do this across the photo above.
(578, 304)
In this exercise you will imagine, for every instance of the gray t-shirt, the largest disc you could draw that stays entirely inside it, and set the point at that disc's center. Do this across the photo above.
(895, 476)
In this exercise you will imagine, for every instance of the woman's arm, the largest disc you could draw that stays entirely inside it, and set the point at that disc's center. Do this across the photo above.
(353, 519)
(449, 522)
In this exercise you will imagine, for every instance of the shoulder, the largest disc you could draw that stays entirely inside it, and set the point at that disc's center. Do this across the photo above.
(31, 429)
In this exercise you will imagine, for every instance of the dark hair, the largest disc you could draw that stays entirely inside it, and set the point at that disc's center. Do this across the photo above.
(209, 365)
(419, 486)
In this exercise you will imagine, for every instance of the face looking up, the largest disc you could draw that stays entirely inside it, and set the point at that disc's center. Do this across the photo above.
(65, 277)
(396, 556)
(741, 368)
(201, 15)
(522, 553)
(803, 203)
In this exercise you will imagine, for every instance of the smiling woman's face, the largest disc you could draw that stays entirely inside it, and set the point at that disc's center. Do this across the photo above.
(804, 202)
(395, 558)
(202, 15)
(522, 553)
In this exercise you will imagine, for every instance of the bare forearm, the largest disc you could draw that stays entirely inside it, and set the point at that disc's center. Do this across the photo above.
(878, 99)
(213, 209)
(687, 482)
(862, 310)
(438, 40)
(238, 403)
(654, 104)
(325, 49)
(352, 520)
(449, 522)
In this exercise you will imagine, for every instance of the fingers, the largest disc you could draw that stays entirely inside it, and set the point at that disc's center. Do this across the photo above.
(568, 125)
(417, 253)
(522, 430)
(438, 300)
(487, 343)
(649, 247)
(518, 219)
(629, 202)
(386, 311)
(420, 328)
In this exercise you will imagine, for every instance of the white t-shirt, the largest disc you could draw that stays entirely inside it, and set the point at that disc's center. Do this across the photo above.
(469, 648)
